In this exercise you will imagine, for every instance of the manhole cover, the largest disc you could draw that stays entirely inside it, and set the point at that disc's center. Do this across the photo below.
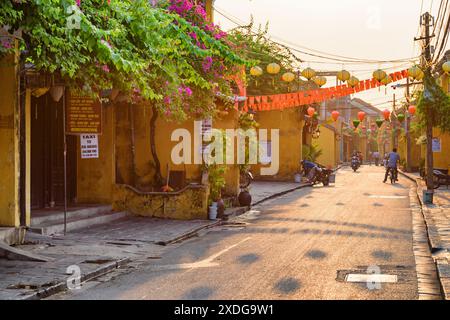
(365, 278)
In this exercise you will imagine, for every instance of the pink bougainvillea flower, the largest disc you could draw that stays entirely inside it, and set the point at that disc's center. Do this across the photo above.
(207, 64)
(78, 2)
(188, 91)
(105, 68)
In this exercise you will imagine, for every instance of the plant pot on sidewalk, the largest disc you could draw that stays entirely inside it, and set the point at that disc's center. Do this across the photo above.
(245, 199)
(213, 211)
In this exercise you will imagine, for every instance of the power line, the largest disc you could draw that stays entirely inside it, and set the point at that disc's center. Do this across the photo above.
(334, 57)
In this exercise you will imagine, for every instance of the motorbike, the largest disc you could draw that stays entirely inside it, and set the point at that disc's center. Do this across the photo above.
(320, 176)
(355, 164)
(245, 179)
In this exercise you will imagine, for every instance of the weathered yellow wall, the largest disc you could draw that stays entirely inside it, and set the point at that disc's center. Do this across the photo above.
(442, 159)
(143, 162)
(9, 143)
(96, 177)
(190, 204)
(290, 124)
(327, 143)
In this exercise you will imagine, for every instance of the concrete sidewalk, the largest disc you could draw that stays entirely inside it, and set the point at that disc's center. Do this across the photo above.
(101, 249)
(437, 219)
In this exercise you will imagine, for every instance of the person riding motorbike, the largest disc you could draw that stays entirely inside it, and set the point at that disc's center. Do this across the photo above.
(355, 161)
(393, 159)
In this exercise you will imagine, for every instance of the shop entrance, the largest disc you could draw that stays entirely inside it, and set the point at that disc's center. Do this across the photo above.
(47, 157)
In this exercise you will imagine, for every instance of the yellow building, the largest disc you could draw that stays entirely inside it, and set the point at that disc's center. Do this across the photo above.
(290, 124)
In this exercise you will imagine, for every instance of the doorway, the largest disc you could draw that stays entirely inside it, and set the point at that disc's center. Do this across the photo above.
(47, 155)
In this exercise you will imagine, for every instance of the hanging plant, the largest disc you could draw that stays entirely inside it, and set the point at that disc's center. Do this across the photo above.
(356, 123)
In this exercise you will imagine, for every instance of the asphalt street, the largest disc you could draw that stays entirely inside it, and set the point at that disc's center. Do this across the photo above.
(302, 245)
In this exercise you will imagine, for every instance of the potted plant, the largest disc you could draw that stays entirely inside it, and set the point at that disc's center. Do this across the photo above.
(216, 179)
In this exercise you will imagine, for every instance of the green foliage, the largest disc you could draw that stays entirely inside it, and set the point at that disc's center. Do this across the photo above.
(131, 45)
(257, 47)
(216, 178)
(311, 152)
(434, 98)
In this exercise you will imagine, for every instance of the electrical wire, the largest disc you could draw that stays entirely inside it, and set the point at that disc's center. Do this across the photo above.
(320, 54)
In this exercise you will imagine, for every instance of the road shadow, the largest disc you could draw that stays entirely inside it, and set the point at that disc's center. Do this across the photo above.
(287, 285)
(248, 258)
(316, 254)
(198, 293)
(381, 254)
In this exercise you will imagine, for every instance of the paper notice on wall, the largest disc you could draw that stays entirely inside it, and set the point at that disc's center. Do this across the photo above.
(89, 146)
(436, 145)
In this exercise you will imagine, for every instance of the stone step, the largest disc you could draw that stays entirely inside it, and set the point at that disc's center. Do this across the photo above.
(57, 227)
(55, 216)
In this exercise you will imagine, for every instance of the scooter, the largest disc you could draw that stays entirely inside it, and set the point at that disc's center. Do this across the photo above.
(245, 179)
(355, 164)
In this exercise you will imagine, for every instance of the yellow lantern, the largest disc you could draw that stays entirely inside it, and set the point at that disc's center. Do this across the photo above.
(288, 77)
(256, 71)
(420, 75)
(414, 71)
(320, 81)
(308, 73)
(386, 80)
(353, 81)
(379, 75)
(343, 75)
(273, 68)
(446, 67)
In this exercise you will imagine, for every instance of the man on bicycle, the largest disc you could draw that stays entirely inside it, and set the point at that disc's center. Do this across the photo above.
(392, 161)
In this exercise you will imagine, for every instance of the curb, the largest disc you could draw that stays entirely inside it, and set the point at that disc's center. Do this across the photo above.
(190, 234)
(433, 248)
(62, 286)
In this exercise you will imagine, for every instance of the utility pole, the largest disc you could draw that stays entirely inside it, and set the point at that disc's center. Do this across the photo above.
(394, 124)
(426, 21)
(408, 130)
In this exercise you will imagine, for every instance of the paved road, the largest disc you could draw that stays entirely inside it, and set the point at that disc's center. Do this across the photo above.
(299, 246)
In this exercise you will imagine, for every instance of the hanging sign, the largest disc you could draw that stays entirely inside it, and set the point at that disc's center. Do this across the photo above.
(83, 115)
(89, 146)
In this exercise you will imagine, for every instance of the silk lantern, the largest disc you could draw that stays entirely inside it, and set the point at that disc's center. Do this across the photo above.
(412, 110)
(386, 114)
(308, 73)
(343, 75)
(361, 115)
(335, 115)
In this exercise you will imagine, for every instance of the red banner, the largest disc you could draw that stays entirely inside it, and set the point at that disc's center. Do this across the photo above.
(302, 98)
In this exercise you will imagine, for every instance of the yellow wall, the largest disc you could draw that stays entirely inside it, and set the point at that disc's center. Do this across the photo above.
(143, 163)
(9, 143)
(290, 124)
(327, 143)
(442, 159)
(96, 177)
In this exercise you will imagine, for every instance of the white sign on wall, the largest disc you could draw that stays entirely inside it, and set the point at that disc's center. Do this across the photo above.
(89, 146)
(436, 145)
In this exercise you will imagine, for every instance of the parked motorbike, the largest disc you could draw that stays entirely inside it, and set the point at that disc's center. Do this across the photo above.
(320, 176)
(245, 179)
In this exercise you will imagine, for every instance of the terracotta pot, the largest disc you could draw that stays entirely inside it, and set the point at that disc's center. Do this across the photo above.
(220, 209)
(245, 199)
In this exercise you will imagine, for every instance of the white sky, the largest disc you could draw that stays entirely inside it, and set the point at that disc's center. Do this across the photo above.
(365, 29)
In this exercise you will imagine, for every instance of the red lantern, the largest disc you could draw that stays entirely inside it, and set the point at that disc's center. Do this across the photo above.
(361, 116)
(335, 115)
(412, 110)
(386, 114)
(311, 111)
